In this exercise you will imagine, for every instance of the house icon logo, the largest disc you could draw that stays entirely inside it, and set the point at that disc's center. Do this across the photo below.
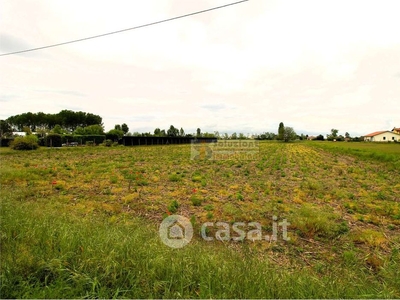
(201, 150)
(176, 231)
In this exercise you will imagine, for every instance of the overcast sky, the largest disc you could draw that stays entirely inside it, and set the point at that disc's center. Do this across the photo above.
(314, 65)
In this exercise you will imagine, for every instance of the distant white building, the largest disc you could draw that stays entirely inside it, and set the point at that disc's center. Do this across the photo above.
(382, 136)
(396, 130)
(20, 133)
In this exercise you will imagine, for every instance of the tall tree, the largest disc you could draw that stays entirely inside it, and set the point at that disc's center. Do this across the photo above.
(57, 129)
(92, 119)
(281, 131)
(289, 134)
(94, 129)
(172, 131)
(41, 121)
(27, 130)
(67, 119)
(333, 135)
(5, 128)
(81, 119)
(78, 131)
(125, 128)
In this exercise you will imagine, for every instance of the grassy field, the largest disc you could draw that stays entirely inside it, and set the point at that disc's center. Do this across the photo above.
(385, 152)
(83, 222)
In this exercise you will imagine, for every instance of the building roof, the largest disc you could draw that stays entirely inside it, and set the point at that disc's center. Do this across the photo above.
(376, 133)
(397, 129)
(379, 132)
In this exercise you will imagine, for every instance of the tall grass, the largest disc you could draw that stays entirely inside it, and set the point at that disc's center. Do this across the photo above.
(46, 253)
(70, 225)
(383, 152)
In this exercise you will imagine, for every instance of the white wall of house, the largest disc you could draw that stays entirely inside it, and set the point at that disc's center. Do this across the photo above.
(384, 137)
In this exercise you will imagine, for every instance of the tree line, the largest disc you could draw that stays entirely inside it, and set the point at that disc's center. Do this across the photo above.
(68, 122)
(67, 119)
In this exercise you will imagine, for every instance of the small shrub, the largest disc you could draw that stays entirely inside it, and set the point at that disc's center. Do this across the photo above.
(314, 222)
(29, 142)
(209, 207)
(193, 220)
(349, 257)
(113, 179)
(342, 228)
(196, 178)
(196, 200)
(381, 195)
(175, 177)
(90, 143)
(370, 237)
(173, 207)
(108, 143)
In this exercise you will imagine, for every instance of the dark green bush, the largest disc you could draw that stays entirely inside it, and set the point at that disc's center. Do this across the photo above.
(29, 142)
(112, 135)
(5, 142)
(108, 143)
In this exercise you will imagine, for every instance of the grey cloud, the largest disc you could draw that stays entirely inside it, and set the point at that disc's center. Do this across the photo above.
(72, 93)
(70, 107)
(7, 98)
(213, 107)
(142, 118)
(63, 92)
(118, 119)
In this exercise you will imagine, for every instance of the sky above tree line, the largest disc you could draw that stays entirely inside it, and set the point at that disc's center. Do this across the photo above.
(314, 65)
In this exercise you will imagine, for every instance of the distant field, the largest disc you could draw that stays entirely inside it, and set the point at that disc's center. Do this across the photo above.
(83, 222)
(387, 152)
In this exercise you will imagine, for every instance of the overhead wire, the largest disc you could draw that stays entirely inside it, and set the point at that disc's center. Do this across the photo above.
(123, 30)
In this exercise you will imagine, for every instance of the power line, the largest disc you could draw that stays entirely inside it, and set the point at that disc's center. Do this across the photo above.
(123, 30)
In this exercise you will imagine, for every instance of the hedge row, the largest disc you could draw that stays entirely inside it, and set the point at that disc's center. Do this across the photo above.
(56, 140)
